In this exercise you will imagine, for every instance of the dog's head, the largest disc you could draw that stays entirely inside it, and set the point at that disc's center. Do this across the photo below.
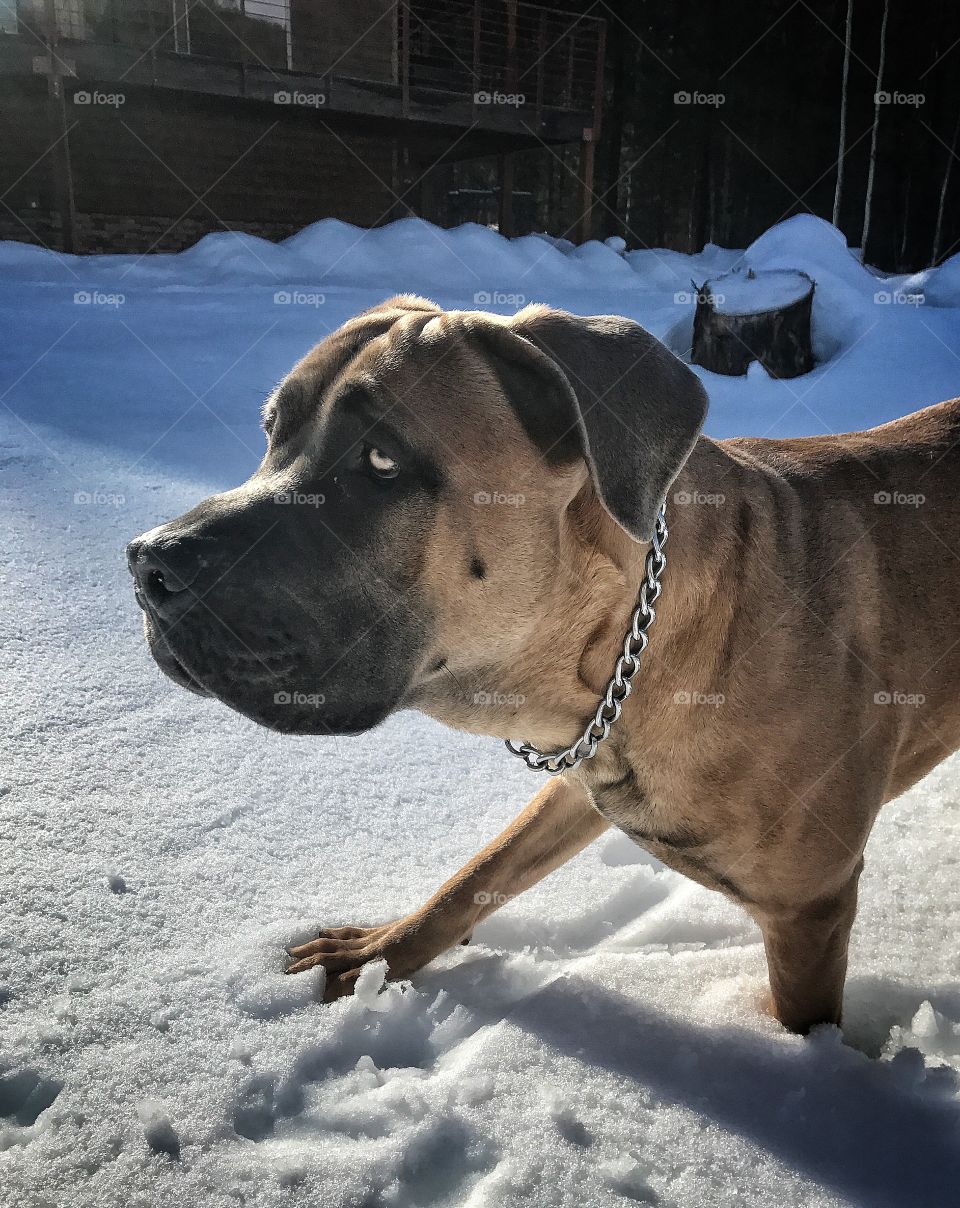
(410, 514)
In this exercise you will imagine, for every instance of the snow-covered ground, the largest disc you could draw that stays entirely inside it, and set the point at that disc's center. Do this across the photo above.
(600, 1041)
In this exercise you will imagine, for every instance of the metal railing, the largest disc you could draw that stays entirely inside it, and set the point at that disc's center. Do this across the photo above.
(495, 51)
(506, 49)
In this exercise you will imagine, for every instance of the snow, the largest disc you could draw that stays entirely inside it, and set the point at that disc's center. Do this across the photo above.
(600, 1040)
(748, 293)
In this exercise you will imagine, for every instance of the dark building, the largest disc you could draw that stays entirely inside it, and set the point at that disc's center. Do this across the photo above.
(135, 125)
(143, 124)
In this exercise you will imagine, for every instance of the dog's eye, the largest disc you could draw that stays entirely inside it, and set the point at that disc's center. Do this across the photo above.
(380, 464)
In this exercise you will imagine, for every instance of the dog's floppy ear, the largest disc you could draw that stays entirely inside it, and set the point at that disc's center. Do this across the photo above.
(615, 396)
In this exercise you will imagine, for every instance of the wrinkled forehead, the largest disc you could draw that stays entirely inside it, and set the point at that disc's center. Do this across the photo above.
(426, 376)
(437, 383)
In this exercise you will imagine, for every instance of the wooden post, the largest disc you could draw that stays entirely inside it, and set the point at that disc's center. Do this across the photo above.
(599, 81)
(288, 26)
(477, 82)
(404, 58)
(428, 194)
(512, 73)
(542, 51)
(587, 147)
(505, 215)
(589, 142)
(57, 124)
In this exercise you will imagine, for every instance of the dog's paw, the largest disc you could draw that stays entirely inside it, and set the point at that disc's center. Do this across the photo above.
(343, 951)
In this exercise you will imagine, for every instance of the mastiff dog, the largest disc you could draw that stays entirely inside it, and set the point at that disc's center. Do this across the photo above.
(491, 499)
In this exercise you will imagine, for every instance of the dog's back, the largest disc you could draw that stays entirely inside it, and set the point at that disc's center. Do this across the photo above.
(879, 514)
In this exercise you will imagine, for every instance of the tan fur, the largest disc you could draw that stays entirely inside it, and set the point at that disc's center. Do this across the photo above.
(789, 603)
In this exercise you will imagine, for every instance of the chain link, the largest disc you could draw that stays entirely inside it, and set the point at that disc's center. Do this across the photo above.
(621, 684)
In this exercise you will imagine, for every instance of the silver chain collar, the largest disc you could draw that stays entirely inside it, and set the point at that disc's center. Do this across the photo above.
(621, 685)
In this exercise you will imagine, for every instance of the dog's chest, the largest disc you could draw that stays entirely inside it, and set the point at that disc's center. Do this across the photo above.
(633, 800)
(621, 795)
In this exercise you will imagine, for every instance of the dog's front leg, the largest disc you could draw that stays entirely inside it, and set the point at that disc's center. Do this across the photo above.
(557, 823)
(806, 951)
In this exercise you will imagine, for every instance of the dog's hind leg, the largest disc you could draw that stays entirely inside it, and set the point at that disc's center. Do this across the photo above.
(806, 951)
(557, 823)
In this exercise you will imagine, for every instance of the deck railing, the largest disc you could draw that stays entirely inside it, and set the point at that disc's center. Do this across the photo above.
(499, 52)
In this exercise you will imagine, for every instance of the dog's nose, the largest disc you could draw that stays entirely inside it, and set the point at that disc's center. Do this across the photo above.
(162, 572)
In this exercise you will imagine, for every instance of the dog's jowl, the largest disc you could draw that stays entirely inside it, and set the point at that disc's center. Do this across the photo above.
(455, 514)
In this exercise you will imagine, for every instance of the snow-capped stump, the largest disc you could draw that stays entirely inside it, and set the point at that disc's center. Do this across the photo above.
(755, 316)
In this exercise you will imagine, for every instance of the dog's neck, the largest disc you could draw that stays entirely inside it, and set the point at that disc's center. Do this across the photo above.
(552, 687)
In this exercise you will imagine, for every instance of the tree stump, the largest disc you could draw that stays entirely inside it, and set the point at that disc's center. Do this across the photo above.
(755, 316)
